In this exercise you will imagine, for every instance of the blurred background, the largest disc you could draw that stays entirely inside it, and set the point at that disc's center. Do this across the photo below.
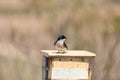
(28, 26)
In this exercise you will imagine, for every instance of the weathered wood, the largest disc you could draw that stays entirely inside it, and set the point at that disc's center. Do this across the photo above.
(69, 65)
(66, 63)
(68, 68)
(90, 74)
(75, 53)
(44, 68)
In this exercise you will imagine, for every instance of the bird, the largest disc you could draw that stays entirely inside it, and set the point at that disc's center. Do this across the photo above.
(60, 44)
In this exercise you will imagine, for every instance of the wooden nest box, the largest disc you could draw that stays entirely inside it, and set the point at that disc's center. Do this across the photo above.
(72, 65)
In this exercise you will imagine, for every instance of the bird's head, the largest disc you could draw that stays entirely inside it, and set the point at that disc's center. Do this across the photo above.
(61, 37)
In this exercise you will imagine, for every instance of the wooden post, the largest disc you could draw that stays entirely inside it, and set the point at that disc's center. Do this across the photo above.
(44, 68)
(72, 65)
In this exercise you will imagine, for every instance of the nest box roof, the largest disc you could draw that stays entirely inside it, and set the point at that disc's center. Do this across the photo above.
(69, 53)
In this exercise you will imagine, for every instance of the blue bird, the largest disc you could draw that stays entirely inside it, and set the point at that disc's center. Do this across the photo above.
(60, 44)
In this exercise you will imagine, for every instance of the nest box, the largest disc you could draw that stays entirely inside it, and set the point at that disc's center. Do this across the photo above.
(72, 65)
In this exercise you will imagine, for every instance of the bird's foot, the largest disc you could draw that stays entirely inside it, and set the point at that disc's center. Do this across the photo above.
(61, 51)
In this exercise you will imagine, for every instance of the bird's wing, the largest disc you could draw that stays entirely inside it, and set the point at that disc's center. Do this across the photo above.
(55, 43)
(65, 45)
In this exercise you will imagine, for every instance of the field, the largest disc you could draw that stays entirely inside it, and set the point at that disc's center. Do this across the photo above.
(28, 26)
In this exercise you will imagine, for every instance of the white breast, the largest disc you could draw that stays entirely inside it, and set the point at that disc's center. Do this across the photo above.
(59, 45)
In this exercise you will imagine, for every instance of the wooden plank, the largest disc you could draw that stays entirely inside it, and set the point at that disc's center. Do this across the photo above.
(68, 68)
(69, 53)
(67, 62)
(70, 65)
(44, 66)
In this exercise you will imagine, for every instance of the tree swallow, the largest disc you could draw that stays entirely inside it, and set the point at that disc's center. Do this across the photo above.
(60, 44)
